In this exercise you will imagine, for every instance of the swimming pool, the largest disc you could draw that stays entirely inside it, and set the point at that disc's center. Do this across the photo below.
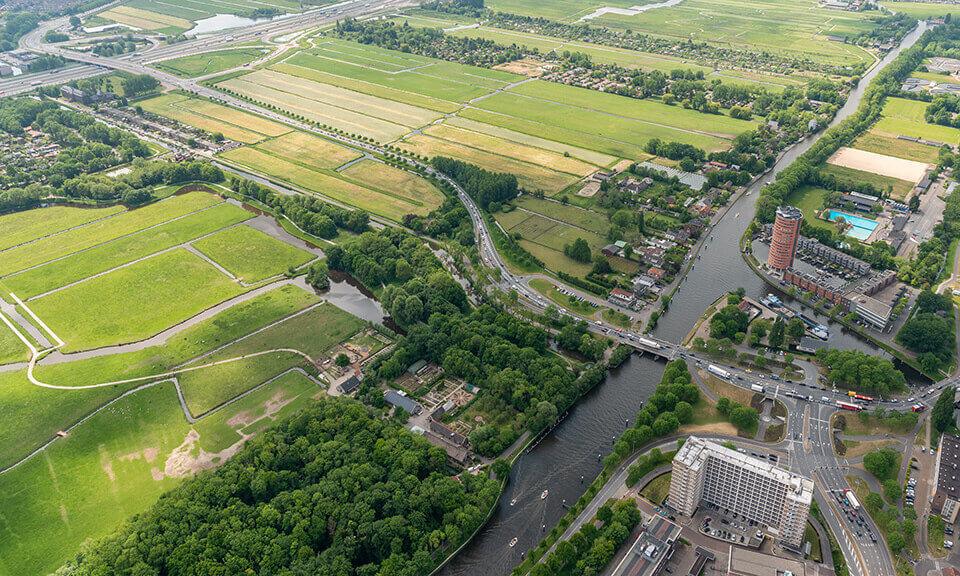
(860, 228)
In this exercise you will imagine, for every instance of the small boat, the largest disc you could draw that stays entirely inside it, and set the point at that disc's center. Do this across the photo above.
(513, 542)
(514, 501)
(543, 495)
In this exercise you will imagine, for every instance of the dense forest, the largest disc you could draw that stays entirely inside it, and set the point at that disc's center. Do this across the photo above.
(482, 185)
(333, 491)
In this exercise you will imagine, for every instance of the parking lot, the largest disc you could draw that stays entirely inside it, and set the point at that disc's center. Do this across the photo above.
(721, 524)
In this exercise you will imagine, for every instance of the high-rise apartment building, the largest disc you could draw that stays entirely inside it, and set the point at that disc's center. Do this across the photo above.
(786, 235)
(704, 471)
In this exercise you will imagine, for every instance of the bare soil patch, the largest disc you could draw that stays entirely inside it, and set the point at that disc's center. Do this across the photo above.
(899, 168)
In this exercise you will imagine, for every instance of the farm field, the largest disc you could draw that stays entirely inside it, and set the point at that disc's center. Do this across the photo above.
(146, 19)
(211, 117)
(899, 188)
(392, 206)
(902, 117)
(794, 29)
(49, 248)
(194, 10)
(922, 9)
(530, 176)
(309, 150)
(545, 239)
(881, 144)
(210, 62)
(12, 349)
(135, 302)
(118, 463)
(25, 226)
(251, 255)
(592, 221)
(602, 54)
(120, 251)
(395, 182)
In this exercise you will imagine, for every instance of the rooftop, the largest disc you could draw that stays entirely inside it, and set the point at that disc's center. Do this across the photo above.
(747, 563)
(696, 450)
(790, 213)
(651, 550)
(948, 475)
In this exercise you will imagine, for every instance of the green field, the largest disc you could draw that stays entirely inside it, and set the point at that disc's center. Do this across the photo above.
(922, 9)
(118, 463)
(48, 248)
(902, 117)
(392, 204)
(899, 188)
(545, 239)
(881, 144)
(809, 199)
(12, 349)
(26, 226)
(210, 62)
(572, 215)
(794, 29)
(122, 250)
(198, 10)
(549, 290)
(136, 302)
(250, 254)
(313, 333)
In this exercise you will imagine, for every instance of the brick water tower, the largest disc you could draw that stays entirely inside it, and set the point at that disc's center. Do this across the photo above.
(786, 234)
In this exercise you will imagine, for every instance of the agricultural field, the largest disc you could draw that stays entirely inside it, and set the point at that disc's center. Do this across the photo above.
(210, 62)
(922, 9)
(213, 118)
(146, 19)
(795, 29)
(392, 204)
(312, 151)
(602, 54)
(545, 239)
(251, 255)
(190, 11)
(902, 117)
(876, 142)
(110, 446)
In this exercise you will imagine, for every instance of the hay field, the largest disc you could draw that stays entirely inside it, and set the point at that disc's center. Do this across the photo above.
(211, 117)
(902, 117)
(396, 182)
(879, 164)
(311, 150)
(145, 19)
(389, 206)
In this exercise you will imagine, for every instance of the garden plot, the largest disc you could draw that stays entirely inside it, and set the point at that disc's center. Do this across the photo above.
(899, 168)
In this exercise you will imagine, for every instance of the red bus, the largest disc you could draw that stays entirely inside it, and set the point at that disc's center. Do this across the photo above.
(849, 406)
(863, 397)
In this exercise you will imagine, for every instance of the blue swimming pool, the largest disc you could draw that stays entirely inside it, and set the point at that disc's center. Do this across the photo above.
(860, 228)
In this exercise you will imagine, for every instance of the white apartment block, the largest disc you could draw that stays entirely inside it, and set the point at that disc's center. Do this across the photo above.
(704, 471)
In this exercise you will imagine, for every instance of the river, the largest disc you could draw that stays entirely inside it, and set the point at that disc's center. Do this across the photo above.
(570, 451)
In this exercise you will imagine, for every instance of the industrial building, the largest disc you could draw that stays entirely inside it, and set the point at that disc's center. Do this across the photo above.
(946, 479)
(704, 471)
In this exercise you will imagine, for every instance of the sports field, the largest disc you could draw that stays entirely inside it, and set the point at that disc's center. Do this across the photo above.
(902, 117)
(389, 203)
(879, 164)
(210, 62)
(793, 28)
(251, 255)
(213, 118)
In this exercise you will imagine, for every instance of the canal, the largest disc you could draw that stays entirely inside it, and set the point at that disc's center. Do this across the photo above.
(570, 451)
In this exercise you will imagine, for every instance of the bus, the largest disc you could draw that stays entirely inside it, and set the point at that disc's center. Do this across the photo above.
(848, 406)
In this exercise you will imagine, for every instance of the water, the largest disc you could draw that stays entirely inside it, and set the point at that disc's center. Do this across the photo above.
(348, 294)
(860, 228)
(557, 464)
(571, 450)
(224, 22)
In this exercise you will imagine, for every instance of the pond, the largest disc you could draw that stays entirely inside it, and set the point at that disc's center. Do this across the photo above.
(224, 22)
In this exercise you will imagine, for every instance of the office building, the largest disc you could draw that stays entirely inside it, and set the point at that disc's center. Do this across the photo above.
(652, 549)
(704, 471)
(786, 234)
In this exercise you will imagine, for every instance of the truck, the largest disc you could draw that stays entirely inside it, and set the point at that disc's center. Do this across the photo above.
(718, 371)
(848, 406)
(756, 388)
(918, 408)
(649, 343)
(851, 393)
(852, 499)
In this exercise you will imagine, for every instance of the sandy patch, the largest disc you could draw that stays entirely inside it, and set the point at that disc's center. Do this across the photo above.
(589, 189)
(240, 419)
(131, 456)
(867, 446)
(106, 463)
(909, 170)
(182, 462)
(150, 454)
(524, 66)
(715, 428)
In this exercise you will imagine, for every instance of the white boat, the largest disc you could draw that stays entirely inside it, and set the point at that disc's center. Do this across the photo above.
(513, 542)
(543, 496)
(514, 501)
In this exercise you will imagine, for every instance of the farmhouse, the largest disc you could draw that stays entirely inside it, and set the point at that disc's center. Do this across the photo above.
(399, 399)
